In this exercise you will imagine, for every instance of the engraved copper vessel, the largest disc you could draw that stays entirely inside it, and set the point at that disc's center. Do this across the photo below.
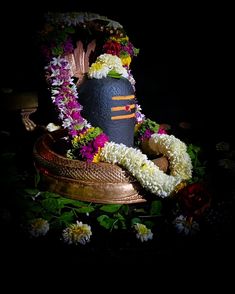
(92, 182)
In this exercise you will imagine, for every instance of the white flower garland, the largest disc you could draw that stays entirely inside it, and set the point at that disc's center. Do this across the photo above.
(176, 152)
(145, 171)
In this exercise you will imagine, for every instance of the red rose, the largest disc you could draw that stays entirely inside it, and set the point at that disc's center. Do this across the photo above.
(112, 47)
(194, 199)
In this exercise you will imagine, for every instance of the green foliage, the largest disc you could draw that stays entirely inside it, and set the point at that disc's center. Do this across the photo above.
(199, 168)
(110, 207)
(87, 138)
(135, 220)
(60, 211)
(156, 208)
(106, 221)
(146, 125)
(136, 51)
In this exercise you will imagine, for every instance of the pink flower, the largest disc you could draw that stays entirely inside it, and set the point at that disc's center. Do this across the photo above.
(100, 140)
(161, 131)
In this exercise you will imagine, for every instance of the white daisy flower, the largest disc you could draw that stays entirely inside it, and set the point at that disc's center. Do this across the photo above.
(77, 233)
(38, 227)
(143, 233)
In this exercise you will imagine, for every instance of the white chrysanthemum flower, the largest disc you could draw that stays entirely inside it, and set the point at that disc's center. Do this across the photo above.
(186, 227)
(104, 64)
(77, 233)
(143, 233)
(98, 70)
(38, 227)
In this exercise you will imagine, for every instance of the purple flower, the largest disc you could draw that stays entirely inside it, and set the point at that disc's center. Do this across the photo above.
(100, 140)
(68, 46)
(87, 152)
(147, 134)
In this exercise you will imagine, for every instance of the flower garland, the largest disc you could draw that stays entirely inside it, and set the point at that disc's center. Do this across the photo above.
(145, 171)
(64, 95)
(176, 152)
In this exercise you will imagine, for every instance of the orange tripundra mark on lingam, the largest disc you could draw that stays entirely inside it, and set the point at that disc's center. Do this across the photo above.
(126, 107)
(125, 116)
(128, 97)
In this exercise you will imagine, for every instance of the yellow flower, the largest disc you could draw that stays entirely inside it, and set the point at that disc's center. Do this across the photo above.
(126, 60)
(96, 66)
(119, 40)
(77, 139)
(137, 127)
(97, 156)
(180, 186)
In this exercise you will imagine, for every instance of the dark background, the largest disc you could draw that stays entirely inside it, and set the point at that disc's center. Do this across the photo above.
(184, 72)
(183, 69)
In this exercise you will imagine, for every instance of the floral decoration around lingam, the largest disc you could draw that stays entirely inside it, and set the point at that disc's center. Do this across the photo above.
(65, 72)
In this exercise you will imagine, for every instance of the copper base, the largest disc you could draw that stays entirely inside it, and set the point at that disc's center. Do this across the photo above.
(75, 179)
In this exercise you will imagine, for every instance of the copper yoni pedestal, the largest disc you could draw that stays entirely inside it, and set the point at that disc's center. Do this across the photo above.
(93, 182)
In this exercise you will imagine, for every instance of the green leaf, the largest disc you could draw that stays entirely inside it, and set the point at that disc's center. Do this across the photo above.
(66, 201)
(31, 192)
(48, 194)
(135, 220)
(136, 51)
(87, 209)
(156, 207)
(72, 202)
(46, 215)
(34, 208)
(149, 224)
(114, 74)
(119, 216)
(110, 207)
(106, 221)
(67, 217)
(57, 51)
(52, 205)
(120, 220)
(140, 210)
(124, 209)
(77, 203)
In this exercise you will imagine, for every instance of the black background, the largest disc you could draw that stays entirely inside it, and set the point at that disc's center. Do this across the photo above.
(183, 69)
